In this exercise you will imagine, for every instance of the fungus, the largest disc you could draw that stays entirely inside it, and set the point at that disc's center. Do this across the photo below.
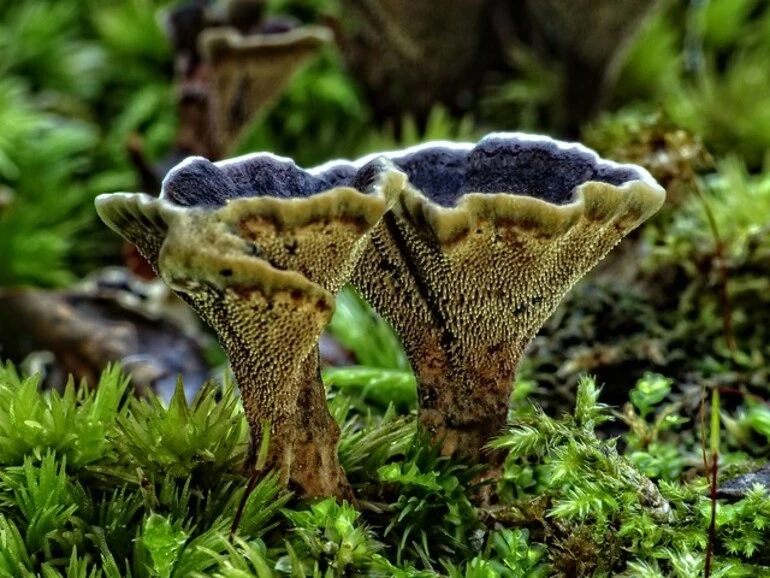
(250, 71)
(258, 247)
(477, 252)
(591, 61)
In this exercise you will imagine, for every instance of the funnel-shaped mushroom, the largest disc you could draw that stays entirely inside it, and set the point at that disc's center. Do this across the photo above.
(249, 71)
(477, 252)
(258, 247)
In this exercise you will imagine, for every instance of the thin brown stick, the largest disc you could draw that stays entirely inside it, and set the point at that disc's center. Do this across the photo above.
(713, 523)
(719, 252)
(703, 433)
(242, 505)
(727, 324)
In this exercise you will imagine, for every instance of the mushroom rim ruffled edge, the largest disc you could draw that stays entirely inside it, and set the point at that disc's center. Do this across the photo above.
(354, 165)
(158, 212)
(224, 270)
(644, 174)
(273, 279)
(534, 209)
(228, 37)
(589, 201)
(644, 194)
(370, 186)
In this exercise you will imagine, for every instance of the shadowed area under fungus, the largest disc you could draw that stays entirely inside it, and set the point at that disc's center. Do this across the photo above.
(467, 277)
(258, 247)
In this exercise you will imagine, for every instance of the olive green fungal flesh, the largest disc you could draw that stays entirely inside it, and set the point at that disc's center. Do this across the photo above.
(466, 260)
(260, 260)
(467, 277)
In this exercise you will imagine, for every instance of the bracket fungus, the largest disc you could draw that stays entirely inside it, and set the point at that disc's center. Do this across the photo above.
(476, 253)
(259, 247)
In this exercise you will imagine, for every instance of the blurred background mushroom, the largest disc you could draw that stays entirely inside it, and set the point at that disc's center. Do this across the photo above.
(409, 56)
(231, 62)
(248, 72)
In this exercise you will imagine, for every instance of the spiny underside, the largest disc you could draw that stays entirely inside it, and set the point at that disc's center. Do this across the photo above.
(484, 262)
(258, 248)
(249, 72)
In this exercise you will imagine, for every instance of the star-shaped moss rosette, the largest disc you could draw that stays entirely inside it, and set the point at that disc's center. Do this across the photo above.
(258, 247)
(477, 252)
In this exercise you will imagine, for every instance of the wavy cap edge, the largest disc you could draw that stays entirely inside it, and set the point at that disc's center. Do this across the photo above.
(377, 177)
(643, 174)
(213, 42)
(639, 197)
(592, 200)
(182, 264)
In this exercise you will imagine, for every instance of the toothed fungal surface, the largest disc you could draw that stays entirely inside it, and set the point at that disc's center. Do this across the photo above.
(258, 247)
(477, 252)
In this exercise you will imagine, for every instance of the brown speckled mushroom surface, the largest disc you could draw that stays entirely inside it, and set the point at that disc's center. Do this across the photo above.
(259, 247)
(477, 252)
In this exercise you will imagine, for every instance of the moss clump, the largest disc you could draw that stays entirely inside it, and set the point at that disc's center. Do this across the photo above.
(97, 483)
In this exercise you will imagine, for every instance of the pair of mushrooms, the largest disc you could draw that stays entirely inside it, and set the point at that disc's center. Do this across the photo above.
(464, 249)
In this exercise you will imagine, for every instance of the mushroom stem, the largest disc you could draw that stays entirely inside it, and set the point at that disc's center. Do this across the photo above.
(464, 378)
(269, 322)
(303, 443)
(464, 385)
(316, 468)
(465, 404)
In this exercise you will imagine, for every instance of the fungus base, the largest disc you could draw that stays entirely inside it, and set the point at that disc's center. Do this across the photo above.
(269, 322)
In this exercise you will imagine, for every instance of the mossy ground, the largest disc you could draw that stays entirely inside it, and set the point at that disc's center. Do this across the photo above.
(101, 483)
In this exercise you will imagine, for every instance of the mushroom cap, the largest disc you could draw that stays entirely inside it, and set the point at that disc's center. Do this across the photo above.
(487, 238)
(249, 71)
(541, 183)
(262, 206)
(258, 247)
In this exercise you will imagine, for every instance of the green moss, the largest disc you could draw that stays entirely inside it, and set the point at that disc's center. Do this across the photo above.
(157, 495)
